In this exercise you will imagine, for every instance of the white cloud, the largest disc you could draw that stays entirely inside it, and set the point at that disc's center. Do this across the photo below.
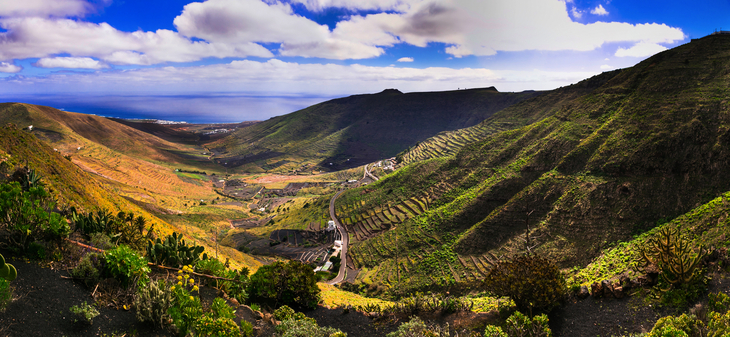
(319, 5)
(70, 62)
(6, 67)
(44, 8)
(606, 67)
(483, 28)
(405, 59)
(40, 37)
(576, 13)
(641, 49)
(599, 11)
(278, 77)
(236, 21)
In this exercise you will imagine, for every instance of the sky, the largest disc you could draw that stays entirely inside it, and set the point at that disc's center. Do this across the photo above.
(234, 60)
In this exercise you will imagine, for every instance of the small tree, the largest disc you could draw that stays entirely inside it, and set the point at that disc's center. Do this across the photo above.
(292, 283)
(532, 282)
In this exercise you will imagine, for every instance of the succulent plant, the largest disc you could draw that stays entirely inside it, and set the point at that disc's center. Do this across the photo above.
(7, 271)
(174, 252)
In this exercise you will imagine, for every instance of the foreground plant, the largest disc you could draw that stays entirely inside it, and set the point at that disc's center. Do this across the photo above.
(84, 312)
(519, 325)
(674, 255)
(532, 282)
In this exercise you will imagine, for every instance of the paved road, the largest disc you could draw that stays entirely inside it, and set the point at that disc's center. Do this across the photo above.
(367, 173)
(345, 241)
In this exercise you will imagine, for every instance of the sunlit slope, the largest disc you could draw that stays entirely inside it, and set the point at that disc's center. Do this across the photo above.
(644, 144)
(354, 130)
(82, 188)
(64, 129)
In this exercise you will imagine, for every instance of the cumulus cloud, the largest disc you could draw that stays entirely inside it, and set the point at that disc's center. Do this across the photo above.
(70, 62)
(319, 5)
(483, 28)
(641, 49)
(44, 8)
(235, 21)
(599, 11)
(606, 67)
(44, 37)
(405, 59)
(6, 67)
(278, 77)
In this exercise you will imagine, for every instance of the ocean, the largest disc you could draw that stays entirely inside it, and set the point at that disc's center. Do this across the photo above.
(195, 108)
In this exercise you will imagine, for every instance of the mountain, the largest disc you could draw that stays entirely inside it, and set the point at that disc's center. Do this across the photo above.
(351, 131)
(585, 166)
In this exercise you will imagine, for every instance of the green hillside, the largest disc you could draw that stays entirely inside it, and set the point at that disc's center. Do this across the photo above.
(595, 163)
(355, 130)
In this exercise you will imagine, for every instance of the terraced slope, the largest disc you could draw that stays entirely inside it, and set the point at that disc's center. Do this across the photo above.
(355, 130)
(595, 163)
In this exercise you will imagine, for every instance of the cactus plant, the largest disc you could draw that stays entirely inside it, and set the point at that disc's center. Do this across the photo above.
(7, 271)
(152, 303)
(673, 254)
(174, 252)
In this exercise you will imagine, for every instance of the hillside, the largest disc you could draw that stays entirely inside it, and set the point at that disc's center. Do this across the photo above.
(351, 131)
(595, 163)
(135, 172)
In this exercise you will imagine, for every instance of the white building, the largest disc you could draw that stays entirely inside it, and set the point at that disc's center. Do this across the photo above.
(331, 226)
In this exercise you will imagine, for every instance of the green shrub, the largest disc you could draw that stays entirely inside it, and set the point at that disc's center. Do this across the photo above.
(494, 331)
(186, 309)
(718, 302)
(418, 328)
(532, 282)
(671, 326)
(292, 283)
(207, 325)
(84, 313)
(719, 324)
(519, 325)
(153, 301)
(306, 327)
(235, 289)
(6, 294)
(27, 216)
(101, 241)
(127, 266)
(89, 269)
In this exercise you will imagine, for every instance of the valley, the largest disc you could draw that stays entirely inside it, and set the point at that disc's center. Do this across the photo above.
(395, 197)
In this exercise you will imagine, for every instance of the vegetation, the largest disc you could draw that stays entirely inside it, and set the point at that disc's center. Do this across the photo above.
(174, 252)
(7, 270)
(532, 282)
(84, 312)
(519, 325)
(89, 269)
(417, 327)
(295, 324)
(291, 283)
(672, 253)
(27, 215)
(153, 303)
(127, 266)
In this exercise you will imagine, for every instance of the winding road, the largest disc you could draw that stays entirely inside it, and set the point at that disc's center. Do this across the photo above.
(345, 241)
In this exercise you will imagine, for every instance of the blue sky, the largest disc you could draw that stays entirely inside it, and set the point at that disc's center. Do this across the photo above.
(301, 51)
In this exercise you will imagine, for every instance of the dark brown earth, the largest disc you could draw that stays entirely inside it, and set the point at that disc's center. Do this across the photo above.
(43, 296)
